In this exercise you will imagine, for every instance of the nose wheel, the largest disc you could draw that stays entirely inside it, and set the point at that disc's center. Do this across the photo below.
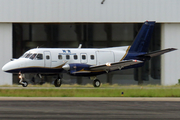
(25, 84)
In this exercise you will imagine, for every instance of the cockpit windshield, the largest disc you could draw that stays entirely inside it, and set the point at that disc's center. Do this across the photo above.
(24, 55)
(37, 56)
(28, 55)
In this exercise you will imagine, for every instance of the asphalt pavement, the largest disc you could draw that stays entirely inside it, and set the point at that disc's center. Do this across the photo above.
(17, 108)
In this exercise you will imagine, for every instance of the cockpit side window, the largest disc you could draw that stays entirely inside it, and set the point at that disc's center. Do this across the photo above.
(39, 56)
(33, 56)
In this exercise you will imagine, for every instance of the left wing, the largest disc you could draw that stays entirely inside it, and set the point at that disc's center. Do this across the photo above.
(157, 53)
(116, 65)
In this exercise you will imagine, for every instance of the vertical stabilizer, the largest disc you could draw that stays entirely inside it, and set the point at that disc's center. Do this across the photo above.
(142, 40)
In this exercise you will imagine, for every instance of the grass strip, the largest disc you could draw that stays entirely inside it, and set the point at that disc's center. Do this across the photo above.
(89, 92)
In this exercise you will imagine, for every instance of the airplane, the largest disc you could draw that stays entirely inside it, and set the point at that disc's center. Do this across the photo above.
(89, 62)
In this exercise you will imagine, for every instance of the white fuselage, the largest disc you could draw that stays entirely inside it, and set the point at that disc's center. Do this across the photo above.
(54, 58)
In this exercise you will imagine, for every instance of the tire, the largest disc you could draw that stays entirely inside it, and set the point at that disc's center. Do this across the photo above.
(57, 82)
(97, 83)
(25, 84)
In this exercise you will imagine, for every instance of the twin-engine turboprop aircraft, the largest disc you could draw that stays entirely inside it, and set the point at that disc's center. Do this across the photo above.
(84, 62)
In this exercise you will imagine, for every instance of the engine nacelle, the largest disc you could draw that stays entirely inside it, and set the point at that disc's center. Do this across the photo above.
(77, 68)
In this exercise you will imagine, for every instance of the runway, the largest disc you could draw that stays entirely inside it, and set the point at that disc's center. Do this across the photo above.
(89, 108)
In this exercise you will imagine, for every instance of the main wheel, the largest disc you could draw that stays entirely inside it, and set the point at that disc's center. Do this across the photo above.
(57, 83)
(96, 83)
(25, 84)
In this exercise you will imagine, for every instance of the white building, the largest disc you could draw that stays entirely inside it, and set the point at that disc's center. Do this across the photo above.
(25, 13)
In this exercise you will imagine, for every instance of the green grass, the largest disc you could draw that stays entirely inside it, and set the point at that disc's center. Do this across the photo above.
(96, 92)
(106, 90)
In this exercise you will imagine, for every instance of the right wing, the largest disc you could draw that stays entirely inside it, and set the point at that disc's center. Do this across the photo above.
(115, 66)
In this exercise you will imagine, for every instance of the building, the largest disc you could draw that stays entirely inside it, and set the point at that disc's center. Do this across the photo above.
(25, 24)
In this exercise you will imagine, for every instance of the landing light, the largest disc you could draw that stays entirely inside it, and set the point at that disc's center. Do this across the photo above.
(20, 76)
(108, 64)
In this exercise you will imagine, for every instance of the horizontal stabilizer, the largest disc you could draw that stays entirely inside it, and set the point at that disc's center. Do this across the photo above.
(116, 65)
(156, 53)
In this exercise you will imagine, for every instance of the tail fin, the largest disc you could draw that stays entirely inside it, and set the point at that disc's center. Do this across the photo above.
(142, 40)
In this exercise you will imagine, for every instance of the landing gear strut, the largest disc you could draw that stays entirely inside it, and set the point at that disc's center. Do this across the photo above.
(35, 79)
(58, 82)
(21, 81)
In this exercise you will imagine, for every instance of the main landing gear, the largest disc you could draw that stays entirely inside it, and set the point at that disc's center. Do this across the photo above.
(96, 82)
(21, 81)
(58, 81)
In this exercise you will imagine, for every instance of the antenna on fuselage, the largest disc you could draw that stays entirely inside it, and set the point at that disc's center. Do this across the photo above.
(40, 46)
(80, 45)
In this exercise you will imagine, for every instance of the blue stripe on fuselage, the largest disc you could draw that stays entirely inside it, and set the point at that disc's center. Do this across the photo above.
(36, 70)
(60, 70)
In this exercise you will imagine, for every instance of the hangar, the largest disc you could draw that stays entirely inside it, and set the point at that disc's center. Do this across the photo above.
(26, 24)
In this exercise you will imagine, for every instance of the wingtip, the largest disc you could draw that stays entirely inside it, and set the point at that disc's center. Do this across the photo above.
(171, 49)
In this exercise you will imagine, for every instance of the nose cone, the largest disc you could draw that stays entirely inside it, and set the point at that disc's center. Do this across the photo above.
(6, 67)
(14, 66)
(10, 66)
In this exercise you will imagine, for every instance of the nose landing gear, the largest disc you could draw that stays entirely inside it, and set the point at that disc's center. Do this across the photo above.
(21, 81)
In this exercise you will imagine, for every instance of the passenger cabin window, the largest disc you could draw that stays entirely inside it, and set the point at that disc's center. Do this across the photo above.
(67, 57)
(83, 57)
(47, 57)
(60, 57)
(75, 57)
(92, 57)
(39, 57)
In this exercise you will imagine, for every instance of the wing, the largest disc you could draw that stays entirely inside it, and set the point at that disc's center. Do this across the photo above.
(116, 65)
(156, 53)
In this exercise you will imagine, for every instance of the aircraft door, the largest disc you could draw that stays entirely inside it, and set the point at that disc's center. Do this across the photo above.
(84, 58)
(47, 59)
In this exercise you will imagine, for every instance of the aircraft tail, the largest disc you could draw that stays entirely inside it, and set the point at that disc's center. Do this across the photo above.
(142, 40)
